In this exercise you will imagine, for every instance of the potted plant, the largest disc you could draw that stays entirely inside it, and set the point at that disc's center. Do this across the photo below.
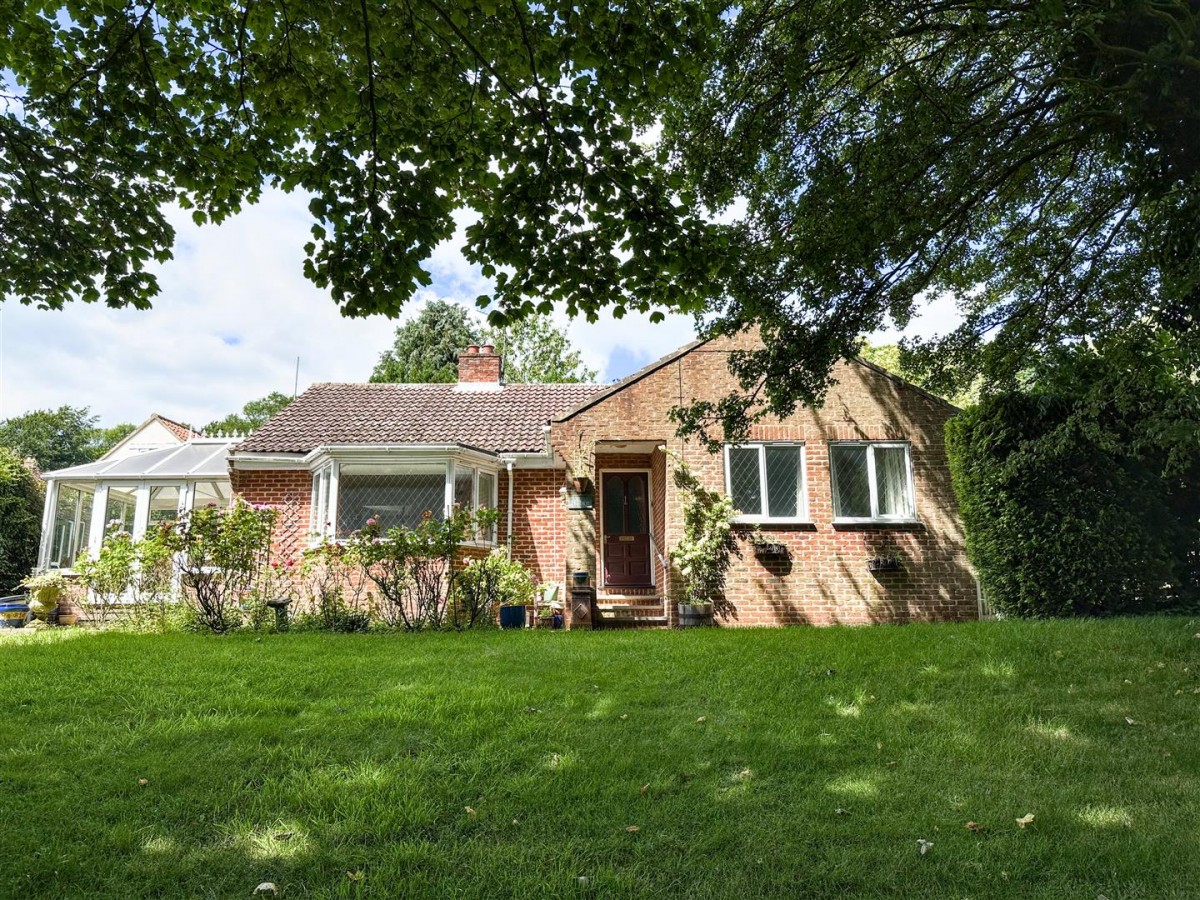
(46, 592)
(764, 548)
(581, 466)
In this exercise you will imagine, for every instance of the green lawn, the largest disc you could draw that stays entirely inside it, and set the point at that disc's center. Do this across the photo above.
(792, 763)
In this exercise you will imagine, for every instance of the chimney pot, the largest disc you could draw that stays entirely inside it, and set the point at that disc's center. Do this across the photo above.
(472, 349)
(488, 349)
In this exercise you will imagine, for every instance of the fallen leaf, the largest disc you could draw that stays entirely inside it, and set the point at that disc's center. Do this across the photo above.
(143, 782)
(1129, 721)
(646, 788)
(515, 822)
(974, 827)
(702, 720)
(923, 845)
(470, 811)
(267, 887)
(355, 875)
(632, 828)
(1025, 820)
(584, 880)
(842, 812)
(624, 716)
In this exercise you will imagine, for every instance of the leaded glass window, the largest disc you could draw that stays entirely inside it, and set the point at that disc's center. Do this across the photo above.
(766, 481)
(871, 481)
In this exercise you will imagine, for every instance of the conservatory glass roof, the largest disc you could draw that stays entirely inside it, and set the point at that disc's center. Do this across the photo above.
(198, 458)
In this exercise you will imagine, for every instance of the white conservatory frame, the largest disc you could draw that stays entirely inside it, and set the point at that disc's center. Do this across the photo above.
(186, 467)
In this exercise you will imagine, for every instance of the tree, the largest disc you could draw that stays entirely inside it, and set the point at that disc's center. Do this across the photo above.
(1038, 161)
(56, 438)
(21, 497)
(104, 439)
(1078, 495)
(426, 348)
(891, 357)
(253, 415)
(535, 352)
(392, 116)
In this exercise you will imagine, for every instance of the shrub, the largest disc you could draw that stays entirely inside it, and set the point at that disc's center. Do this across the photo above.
(704, 553)
(222, 556)
(414, 567)
(21, 498)
(484, 584)
(1069, 510)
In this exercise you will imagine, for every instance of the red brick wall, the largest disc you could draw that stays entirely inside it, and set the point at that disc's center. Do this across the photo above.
(539, 521)
(290, 492)
(826, 580)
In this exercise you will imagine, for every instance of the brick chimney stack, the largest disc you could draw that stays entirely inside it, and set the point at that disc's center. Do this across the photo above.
(480, 365)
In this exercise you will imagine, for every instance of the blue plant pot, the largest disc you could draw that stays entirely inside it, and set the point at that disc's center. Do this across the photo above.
(512, 617)
(14, 615)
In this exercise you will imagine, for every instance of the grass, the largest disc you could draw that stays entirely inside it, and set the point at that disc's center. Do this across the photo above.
(791, 763)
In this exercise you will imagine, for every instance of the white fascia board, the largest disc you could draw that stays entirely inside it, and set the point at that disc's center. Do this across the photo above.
(530, 460)
(392, 453)
(245, 462)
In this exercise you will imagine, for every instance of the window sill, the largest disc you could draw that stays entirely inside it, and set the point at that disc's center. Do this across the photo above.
(806, 524)
(878, 523)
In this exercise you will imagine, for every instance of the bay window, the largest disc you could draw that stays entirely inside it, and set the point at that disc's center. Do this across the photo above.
(347, 492)
(872, 481)
(766, 481)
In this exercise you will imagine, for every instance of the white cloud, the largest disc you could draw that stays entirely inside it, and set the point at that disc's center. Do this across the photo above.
(234, 313)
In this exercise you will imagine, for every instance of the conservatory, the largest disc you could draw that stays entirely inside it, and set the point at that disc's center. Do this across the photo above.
(133, 493)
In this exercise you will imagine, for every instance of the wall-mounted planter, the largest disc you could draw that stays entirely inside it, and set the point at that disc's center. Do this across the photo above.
(580, 501)
(883, 564)
(771, 550)
(579, 579)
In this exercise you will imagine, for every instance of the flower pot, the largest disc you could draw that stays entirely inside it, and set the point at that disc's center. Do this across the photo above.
(14, 613)
(695, 615)
(69, 618)
(512, 617)
(771, 549)
(556, 621)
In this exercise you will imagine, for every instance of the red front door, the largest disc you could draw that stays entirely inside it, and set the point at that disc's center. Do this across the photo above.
(625, 521)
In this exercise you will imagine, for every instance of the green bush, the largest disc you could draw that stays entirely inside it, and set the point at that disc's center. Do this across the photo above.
(20, 520)
(1069, 508)
(484, 584)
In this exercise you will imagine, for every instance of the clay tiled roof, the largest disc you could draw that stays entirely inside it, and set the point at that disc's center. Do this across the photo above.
(181, 431)
(509, 419)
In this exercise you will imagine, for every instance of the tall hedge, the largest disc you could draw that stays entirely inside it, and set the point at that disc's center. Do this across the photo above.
(21, 499)
(1069, 510)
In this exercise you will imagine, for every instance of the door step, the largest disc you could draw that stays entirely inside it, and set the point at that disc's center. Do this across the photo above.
(630, 611)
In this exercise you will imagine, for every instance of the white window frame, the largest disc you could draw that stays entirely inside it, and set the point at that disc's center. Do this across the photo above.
(802, 515)
(872, 485)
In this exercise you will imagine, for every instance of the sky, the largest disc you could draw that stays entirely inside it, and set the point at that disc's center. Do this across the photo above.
(234, 313)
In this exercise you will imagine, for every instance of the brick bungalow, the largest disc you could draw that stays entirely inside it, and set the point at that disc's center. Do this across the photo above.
(862, 480)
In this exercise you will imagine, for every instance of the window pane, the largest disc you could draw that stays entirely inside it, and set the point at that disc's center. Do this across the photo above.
(614, 504)
(164, 504)
(118, 513)
(487, 500)
(743, 480)
(851, 492)
(210, 493)
(393, 499)
(635, 507)
(464, 488)
(72, 522)
(891, 481)
(783, 481)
